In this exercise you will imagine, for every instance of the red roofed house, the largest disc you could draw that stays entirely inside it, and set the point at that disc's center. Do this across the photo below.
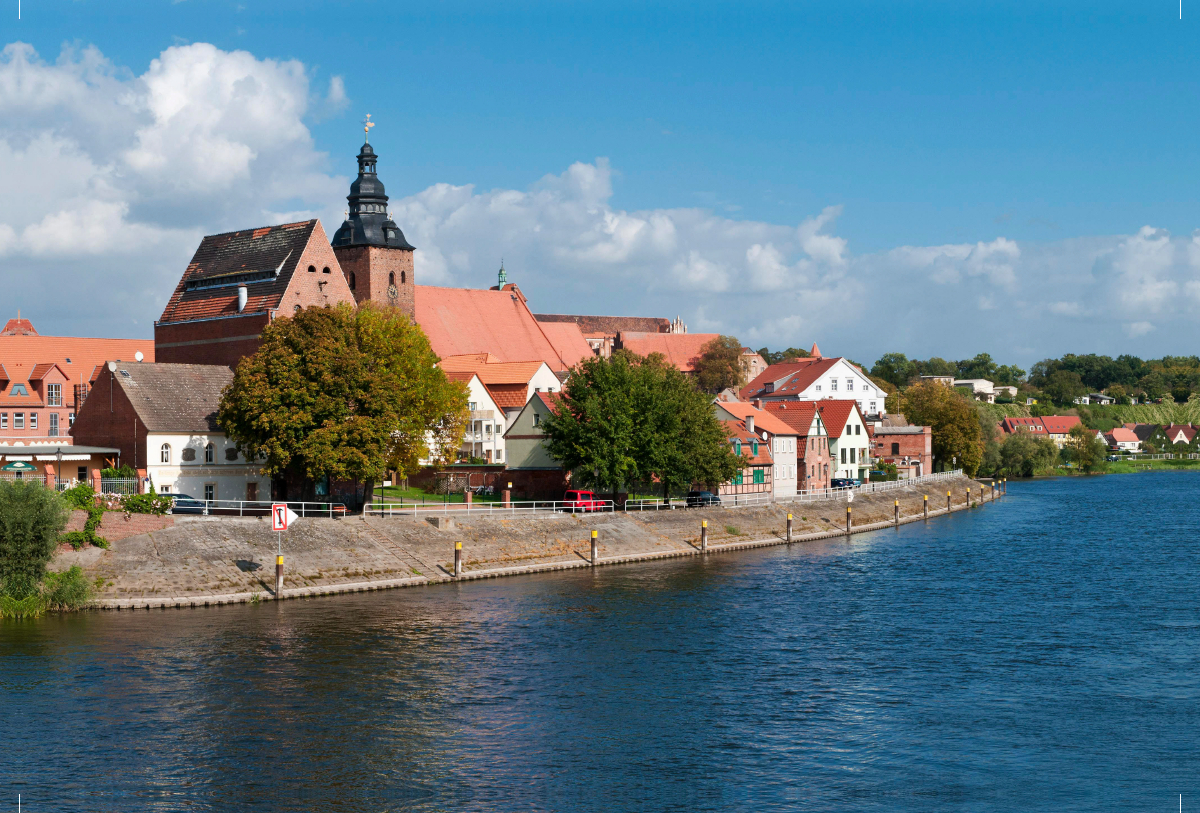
(45, 379)
(780, 435)
(849, 438)
(238, 282)
(814, 379)
(534, 474)
(812, 441)
(1058, 427)
(1123, 439)
(510, 384)
(1180, 433)
(681, 349)
(908, 448)
(602, 332)
(1034, 426)
(755, 478)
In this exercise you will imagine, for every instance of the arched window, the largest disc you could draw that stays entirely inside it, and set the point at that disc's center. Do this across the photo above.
(210, 454)
(402, 277)
(296, 309)
(312, 269)
(391, 278)
(351, 280)
(164, 454)
(325, 270)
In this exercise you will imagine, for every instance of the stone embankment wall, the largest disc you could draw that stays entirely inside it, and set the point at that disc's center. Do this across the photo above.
(214, 560)
(117, 525)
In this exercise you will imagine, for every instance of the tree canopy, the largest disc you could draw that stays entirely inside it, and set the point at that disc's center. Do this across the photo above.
(776, 356)
(343, 392)
(630, 419)
(720, 365)
(953, 420)
(31, 518)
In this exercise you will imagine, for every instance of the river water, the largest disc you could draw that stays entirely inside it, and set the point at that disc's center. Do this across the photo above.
(1041, 653)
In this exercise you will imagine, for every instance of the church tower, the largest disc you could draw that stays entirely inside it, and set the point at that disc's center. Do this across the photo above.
(370, 248)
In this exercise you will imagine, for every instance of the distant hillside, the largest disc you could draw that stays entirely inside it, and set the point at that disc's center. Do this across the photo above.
(1153, 413)
(998, 412)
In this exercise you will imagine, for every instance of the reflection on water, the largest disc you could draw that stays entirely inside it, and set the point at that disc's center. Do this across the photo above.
(1034, 654)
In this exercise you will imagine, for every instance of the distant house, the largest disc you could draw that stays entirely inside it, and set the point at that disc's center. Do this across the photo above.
(752, 363)
(783, 439)
(816, 379)
(849, 438)
(1180, 433)
(510, 385)
(1122, 439)
(1097, 398)
(1006, 390)
(602, 332)
(532, 471)
(981, 388)
(484, 436)
(1055, 427)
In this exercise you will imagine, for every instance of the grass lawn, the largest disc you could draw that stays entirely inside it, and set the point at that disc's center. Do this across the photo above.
(418, 495)
(1131, 466)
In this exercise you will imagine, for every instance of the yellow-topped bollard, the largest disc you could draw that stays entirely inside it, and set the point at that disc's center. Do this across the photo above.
(458, 558)
(703, 535)
(789, 529)
(897, 508)
(595, 547)
(925, 503)
(279, 576)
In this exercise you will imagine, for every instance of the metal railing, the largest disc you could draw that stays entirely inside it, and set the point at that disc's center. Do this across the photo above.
(386, 508)
(252, 508)
(120, 485)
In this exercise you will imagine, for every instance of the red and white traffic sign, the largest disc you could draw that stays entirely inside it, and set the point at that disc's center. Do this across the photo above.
(282, 516)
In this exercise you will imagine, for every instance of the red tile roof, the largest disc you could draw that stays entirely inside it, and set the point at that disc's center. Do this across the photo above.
(18, 327)
(513, 372)
(797, 414)
(568, 341)
(835, 413)
(1011, 425)
(1059, 424)
(736, 430)
(1123, 435)
(681, 349)
(28, 358)
(1173, 430)
(462, 321)
(508, 396)
(763, 420)
(264, 259)
(553, 401)
(787, 377)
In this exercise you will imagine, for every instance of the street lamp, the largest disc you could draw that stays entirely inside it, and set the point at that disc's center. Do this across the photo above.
(58, 477)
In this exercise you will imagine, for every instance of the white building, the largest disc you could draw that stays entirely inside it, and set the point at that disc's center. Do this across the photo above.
(163, 419)
(484, 437)
(816, 379)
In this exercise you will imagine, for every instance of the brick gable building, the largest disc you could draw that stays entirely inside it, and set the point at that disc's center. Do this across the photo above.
(239, 282)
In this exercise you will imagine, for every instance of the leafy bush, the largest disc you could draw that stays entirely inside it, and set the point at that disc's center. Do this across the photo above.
(122, 473)
(157, 504)
(84, 498)
(67, 589)
(31, 519)
(81, 496)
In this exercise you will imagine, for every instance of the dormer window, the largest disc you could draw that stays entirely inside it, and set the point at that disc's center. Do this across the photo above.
(737, 448)
(18, 389)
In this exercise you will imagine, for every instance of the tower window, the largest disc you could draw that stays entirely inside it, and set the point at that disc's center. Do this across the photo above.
(312, 269)
(391, 278)
(402, 277)
(296, 309)
(325, 270)
(351, 280)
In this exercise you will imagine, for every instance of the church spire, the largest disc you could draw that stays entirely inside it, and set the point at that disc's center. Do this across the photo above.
(502, 277)
(367, 222)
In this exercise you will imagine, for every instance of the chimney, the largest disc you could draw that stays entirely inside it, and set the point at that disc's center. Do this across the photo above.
(757, 403)
(750, 424)
(243, 295)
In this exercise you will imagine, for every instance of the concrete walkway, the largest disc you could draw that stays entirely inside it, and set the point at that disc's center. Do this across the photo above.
(210, 561)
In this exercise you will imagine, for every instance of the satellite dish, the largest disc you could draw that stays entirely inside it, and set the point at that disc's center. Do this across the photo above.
(112, 366)
(138, 355)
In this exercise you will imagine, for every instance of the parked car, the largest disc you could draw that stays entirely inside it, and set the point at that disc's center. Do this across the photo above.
(842, 482)
(186, 504)
(700, 499)
(581, 501)
(1112, 458)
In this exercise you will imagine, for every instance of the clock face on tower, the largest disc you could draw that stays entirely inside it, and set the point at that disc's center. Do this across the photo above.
(393, 293)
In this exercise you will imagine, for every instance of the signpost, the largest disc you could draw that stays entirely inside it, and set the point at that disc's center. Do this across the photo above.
(282, 518)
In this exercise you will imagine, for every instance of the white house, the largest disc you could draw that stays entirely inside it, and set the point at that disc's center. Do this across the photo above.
(981, 388)
(816, 379)
(781, 437)
(849, 439)
(163, 419)
(484, 437)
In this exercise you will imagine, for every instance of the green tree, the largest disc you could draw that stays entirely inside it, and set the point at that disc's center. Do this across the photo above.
(1118, 392)
(936, 366)
(343, 392)
(1023, 455)
(1063, 387)
(982, 366)
(1009, 375)
(894, 368)
(31, 518)
(630, 419)
(953, 420)
(719, 365)
(774, 357)
(1084, 449)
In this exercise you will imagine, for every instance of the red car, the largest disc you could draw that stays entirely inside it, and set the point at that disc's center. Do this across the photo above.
(582, 501)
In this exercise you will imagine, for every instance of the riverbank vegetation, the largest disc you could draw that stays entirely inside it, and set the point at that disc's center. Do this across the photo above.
(32, 517)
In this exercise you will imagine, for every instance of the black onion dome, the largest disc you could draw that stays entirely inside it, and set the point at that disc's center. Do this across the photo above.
(367, 223)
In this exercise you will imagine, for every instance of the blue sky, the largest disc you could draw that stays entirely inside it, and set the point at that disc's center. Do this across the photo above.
(974, 176)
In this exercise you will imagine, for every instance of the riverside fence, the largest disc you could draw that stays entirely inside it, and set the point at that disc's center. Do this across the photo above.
(387, 508)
